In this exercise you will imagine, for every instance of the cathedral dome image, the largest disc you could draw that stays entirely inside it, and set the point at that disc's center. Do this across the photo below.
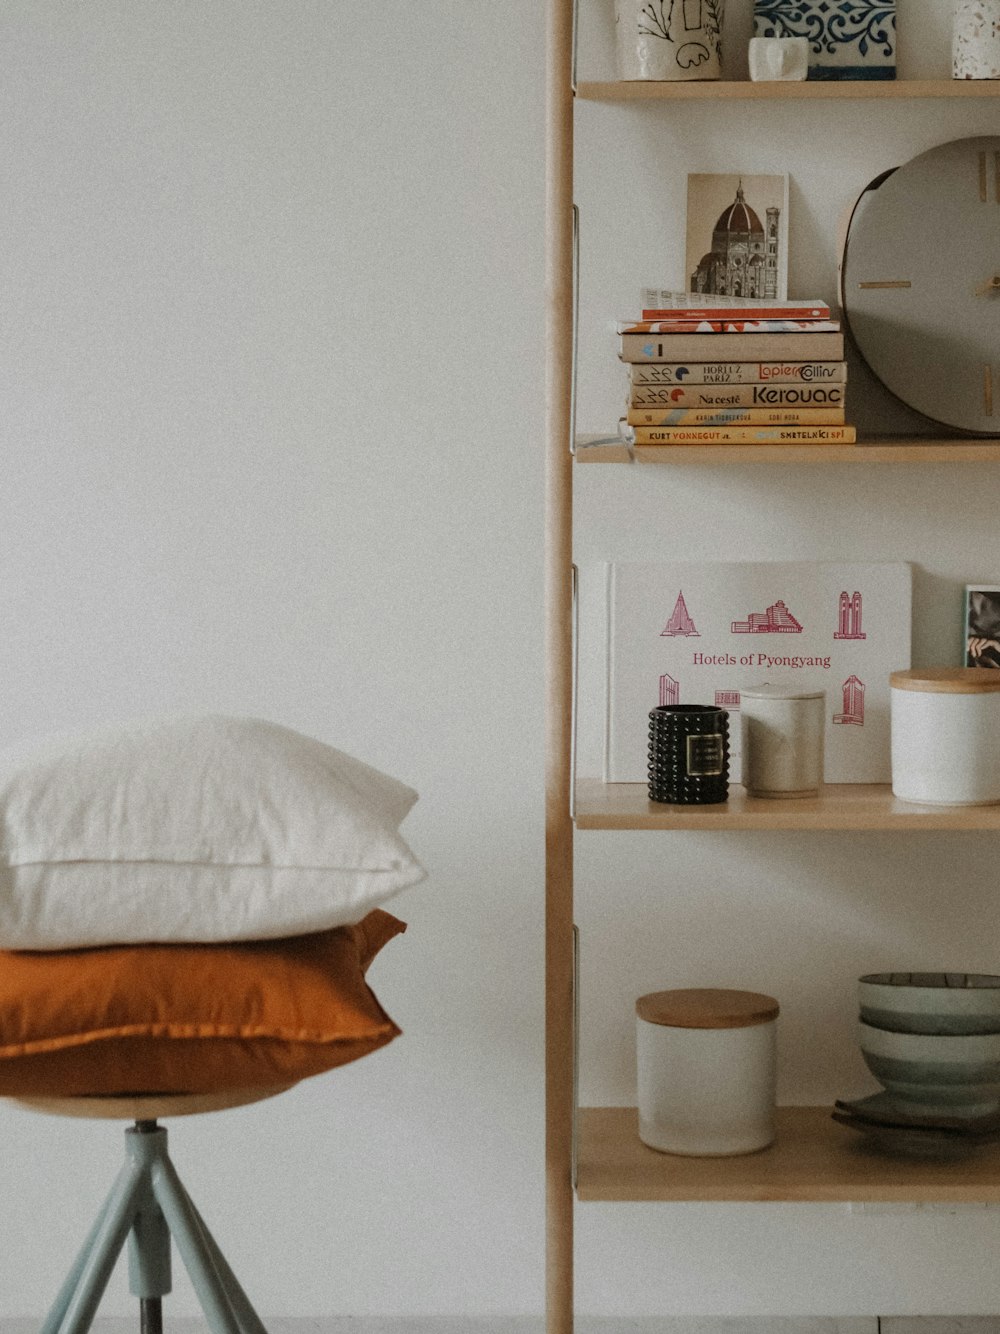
(738, 219)
(743, 260)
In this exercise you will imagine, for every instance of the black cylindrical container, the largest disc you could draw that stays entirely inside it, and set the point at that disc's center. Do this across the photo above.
(688, 754)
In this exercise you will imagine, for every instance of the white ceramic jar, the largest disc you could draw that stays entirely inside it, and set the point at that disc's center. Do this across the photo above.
(946, 735)
(782, 731)
(975, 39)
(706, 1067)
(669, 39)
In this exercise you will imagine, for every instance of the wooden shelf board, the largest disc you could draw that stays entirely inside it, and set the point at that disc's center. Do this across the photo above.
(876, 449)
(857, 806)
(814, 1158)
(644, 90)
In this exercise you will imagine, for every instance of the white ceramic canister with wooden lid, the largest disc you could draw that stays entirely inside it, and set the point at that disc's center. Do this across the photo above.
(706, 1068)
(946, 735)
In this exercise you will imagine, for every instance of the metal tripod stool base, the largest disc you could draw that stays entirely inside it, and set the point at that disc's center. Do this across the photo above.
(147, 1207)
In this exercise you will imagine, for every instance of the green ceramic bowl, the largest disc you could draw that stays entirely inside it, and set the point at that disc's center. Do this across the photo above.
(935, 1075)
(932, 1003)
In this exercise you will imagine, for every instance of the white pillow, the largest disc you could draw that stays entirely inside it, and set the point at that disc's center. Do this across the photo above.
(193, 830)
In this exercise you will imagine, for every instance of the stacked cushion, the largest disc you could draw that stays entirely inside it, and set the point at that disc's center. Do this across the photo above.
(190, 906)
(190, 1018)
(193, 829)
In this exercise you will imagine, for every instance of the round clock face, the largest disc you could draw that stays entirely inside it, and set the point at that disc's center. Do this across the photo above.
(920, 283)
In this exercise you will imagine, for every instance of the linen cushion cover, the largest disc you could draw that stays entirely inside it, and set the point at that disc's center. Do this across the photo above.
(196, 829)
(190, 1018)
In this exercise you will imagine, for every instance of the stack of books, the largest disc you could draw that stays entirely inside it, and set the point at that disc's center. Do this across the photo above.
(720, 370)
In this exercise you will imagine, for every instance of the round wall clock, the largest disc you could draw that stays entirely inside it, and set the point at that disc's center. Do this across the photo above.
(920, 282)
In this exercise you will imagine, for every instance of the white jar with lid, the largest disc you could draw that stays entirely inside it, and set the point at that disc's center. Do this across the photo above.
(946, 735)
(706, 1067)
(782, 730)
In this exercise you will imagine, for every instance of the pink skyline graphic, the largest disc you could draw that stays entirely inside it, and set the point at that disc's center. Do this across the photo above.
(680, 622)
(776, 620)
(854, 703)
(849, 617)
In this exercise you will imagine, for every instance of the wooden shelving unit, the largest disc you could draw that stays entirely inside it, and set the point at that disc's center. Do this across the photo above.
(845, 806)
(722, 90)
(881, 449)
(814, 1158)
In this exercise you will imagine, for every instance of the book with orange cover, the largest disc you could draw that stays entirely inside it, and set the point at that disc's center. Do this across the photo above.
(710, 323)
(659, 305)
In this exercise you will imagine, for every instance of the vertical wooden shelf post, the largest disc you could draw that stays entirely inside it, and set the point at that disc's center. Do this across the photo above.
(559, 684)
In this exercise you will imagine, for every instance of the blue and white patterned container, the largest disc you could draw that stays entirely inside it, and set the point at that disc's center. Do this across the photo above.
(848, 39)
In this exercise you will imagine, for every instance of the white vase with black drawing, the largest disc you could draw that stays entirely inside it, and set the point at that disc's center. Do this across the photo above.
(669, 39)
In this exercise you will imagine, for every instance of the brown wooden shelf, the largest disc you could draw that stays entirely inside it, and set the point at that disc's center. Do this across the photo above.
(814, 1158)
(857, 806)
(874, 449)
(644, 90)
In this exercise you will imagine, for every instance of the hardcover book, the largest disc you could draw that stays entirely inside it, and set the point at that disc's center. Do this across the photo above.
(736, 372)
(732, 346)
(738, 435)
(828, 416)
(737, 396)
(698, 633)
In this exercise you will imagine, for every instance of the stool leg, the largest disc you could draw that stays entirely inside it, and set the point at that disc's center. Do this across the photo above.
(80, 1295)
(149, 1261)
(198, 1261)
(250, 1321)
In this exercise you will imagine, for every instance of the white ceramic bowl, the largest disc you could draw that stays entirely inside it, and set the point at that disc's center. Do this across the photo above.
(933, 1003)
(935, 1075)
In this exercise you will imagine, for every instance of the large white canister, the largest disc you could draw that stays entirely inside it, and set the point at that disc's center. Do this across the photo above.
(946, 735)
(706, 1067)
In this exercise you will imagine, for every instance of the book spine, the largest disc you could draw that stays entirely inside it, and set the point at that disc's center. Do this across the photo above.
(739, 435)
(820, 311)
(829, 416)
(737, 372)
(710, 323)
(733, 347)
(737, 396)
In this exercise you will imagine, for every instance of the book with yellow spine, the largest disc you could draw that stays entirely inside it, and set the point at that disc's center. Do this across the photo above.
(737, 435)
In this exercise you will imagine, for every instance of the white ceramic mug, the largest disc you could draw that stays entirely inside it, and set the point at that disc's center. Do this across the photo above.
(669, 39)
(778, 58)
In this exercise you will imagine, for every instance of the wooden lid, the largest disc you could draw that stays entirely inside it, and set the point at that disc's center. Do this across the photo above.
(698, 1007)
(947, 680)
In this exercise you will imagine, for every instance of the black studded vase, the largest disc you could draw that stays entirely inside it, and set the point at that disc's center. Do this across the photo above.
(688, 754)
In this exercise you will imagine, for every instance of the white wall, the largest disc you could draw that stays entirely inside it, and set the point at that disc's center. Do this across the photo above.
(270, 292)
(270, 301)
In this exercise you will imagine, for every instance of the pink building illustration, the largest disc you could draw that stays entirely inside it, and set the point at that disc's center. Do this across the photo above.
(670, 690)
(777, 620)
(849, 617)
(680, 622)
(854, 703)
(727, 699)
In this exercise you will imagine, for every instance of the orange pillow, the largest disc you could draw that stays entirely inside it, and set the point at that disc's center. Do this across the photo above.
(190, 1018)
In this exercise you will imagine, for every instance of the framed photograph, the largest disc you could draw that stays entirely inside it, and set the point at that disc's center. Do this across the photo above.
(982, 625)
(737, 235)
